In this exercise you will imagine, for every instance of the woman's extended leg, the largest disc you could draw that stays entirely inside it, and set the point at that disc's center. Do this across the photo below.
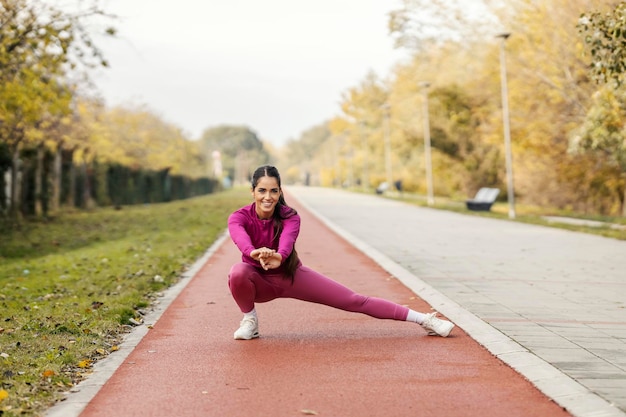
(312, 286)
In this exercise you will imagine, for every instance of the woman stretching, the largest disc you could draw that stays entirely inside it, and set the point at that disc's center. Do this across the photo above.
(265, 232)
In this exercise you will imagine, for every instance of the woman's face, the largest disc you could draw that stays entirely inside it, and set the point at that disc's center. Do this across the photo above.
(266, 194)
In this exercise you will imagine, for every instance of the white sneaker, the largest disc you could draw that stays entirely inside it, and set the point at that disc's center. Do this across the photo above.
(248, 329)
(437, 327)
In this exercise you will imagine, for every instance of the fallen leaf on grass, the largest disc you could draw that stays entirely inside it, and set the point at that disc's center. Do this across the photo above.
(84, 364)
(47, 373)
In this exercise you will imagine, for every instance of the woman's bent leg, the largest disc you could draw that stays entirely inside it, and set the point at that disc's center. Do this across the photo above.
(309, 285)
(248, 286)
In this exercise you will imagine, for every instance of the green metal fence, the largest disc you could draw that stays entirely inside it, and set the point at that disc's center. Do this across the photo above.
(94, 183)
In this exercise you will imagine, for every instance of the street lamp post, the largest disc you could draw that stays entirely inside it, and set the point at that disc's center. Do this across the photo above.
(430, 199)
(336, 163)
(506, 123)
(387, 139)
(365, 179)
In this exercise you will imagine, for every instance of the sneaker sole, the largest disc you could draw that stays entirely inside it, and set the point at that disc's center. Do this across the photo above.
(254, 336)
(432, 333)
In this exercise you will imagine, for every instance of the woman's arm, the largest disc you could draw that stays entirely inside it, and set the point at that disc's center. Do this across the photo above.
(238, 233)
(287, 240)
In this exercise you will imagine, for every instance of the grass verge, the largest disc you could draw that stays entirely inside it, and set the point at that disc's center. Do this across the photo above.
(612, 227)
(71, 287)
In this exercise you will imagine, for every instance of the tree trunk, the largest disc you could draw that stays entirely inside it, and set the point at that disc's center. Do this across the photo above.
(57, 168)
(624, 200)
(14, 203)
(87, 196)
(71, 195)
(38, 181)
(5, 181)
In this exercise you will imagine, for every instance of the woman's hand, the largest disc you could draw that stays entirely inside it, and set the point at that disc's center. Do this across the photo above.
(261, 253)
(268, 258)
(271, 262)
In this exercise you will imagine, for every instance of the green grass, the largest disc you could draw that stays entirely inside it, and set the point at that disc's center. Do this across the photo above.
(70, 285)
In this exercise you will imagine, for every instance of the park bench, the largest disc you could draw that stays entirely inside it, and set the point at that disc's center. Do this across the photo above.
(484, 199)
(382, 187)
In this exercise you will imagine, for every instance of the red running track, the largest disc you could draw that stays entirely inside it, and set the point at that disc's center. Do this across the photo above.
(310, 359)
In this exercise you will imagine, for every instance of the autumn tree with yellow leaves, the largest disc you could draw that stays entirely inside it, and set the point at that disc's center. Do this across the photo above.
(46, 54)
(603, 133)
(566, 129)
(40, 46)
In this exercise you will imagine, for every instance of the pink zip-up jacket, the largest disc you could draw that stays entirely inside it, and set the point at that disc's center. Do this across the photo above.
(249, 232)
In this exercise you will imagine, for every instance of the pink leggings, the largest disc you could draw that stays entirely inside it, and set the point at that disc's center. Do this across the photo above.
(250, 285)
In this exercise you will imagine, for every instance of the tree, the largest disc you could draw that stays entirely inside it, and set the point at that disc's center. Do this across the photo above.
(40, 46)
(298, 162)
(603, 135)
(135, 136)
(605, 36)
(28, 103)
(362, 124)
(240, 148)
(421, 24)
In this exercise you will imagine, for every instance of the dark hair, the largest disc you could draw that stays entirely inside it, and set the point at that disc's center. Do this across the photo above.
(291, 263)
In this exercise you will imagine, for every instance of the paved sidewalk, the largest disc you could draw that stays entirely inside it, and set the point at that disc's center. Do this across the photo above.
(309, 360)
(549, 302)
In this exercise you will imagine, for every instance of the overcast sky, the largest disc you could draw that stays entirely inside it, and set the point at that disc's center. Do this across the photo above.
(277, 66)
